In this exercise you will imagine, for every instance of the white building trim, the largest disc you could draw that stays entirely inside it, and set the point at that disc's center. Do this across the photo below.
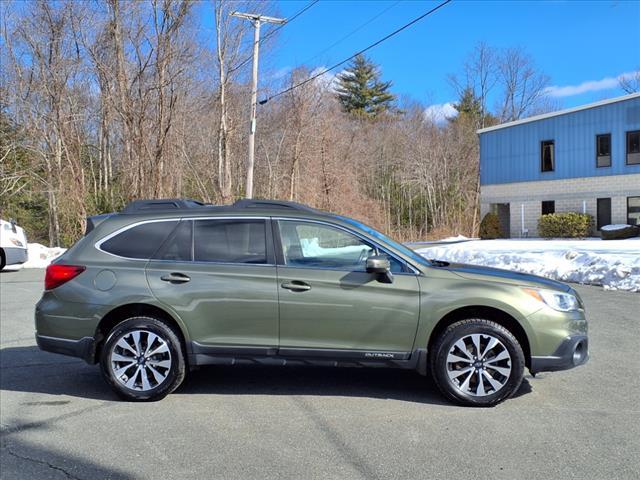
(559, 112)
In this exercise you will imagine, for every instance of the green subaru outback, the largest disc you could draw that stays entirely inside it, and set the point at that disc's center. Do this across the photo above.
(166, 286)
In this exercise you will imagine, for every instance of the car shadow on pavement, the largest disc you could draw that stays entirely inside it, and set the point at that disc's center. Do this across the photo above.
(27, 369)
(382, 383)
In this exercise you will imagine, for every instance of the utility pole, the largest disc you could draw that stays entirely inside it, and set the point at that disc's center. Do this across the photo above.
(257, 19)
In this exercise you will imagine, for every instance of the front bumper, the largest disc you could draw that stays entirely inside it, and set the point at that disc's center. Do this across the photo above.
(572, 352)
(85, 348)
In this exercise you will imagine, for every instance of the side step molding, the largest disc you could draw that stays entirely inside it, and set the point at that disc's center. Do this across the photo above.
(272, 356)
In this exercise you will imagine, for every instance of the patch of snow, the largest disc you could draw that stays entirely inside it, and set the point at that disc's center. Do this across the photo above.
(616, 226)
(614, 264)
(41, 256)
(311, 248)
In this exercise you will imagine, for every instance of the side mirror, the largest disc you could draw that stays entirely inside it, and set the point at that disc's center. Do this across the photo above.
(378, 264)
(381, 266)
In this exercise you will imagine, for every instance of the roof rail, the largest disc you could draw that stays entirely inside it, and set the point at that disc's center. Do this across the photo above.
(138, 206)
(282, 204)
(173, 204)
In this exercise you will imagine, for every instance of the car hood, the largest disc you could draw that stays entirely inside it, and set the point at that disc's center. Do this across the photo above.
(475, 272)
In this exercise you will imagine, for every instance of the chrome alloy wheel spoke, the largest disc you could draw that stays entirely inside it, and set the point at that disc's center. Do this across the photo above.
(140, 360)
(479, 364)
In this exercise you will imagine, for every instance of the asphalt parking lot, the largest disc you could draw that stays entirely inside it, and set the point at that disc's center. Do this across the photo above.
(60, 420)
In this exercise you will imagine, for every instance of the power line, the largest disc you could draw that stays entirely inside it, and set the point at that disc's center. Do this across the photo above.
(353, 32)
(375, 44)
(272, 32)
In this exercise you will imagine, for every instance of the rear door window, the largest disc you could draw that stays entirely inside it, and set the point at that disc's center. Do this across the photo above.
(230, 241)
(141, 241)
(179, 246)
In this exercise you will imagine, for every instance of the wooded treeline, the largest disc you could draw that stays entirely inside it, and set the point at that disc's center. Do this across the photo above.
(106, 101)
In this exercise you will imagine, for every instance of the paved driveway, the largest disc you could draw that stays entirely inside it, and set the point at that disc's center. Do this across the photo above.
(59, 420)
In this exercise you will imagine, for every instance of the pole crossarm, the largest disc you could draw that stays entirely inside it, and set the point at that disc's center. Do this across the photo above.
(259, 17)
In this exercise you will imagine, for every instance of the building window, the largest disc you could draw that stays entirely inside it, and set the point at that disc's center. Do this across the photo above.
(547, 156)
(633, 210)
(603, 150)
(548, 207)
(633, 148)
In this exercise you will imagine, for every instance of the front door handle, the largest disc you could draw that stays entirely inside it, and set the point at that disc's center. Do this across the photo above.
(296, 286)
(176, 277)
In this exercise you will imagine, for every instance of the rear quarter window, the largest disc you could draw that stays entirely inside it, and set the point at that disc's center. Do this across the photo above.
(141, 241)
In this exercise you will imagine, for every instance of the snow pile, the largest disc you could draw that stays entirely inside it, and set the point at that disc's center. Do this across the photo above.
(614, 264)
(41, 256)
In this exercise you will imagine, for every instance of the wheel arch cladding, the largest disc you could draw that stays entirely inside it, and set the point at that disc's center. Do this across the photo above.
(489, 313)
(123, 312)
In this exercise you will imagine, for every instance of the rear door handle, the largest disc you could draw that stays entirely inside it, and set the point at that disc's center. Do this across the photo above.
(296, 286)
(176, 277)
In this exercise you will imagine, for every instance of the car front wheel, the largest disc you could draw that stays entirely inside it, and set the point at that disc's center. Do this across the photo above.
(477, 362)
(142, 359)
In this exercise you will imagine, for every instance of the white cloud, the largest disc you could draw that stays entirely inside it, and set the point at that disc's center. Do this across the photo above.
(328, 80)
(439, 113)
(606, 83)
(281, 73)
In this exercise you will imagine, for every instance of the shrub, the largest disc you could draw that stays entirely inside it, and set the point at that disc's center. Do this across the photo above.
(490, 227)
(618, 232)
(565, 225)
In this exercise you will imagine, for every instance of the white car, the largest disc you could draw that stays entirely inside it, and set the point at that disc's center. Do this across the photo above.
(13, 244)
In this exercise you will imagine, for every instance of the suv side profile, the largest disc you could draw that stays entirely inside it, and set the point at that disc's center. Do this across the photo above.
(166, 286)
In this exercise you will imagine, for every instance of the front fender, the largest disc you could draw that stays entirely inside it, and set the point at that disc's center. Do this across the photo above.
(444, 293)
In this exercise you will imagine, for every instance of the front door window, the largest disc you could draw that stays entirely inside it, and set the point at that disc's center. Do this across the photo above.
(313, 245)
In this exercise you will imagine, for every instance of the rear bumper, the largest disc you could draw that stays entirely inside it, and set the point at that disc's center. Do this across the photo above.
(572, 352)
(83, 348)
(15, 255)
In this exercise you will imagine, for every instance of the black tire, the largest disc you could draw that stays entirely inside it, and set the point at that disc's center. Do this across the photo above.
(172, 355)
(3, 261)
(485, 395)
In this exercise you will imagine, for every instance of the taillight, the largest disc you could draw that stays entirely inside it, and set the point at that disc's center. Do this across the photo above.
(59, 274)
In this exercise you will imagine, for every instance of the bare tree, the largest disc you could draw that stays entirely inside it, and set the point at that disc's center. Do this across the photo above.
(113, 100)
(630, 83)
(523, 85)
(480, 74)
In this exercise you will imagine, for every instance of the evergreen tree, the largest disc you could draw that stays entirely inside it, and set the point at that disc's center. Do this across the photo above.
(470, 111)
(361, 91)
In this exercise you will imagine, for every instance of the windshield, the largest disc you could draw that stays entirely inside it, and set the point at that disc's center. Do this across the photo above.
(381, 236)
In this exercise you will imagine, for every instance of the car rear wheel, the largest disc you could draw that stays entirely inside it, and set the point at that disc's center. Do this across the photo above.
(143, 359)
(477, 362)
(3, 262)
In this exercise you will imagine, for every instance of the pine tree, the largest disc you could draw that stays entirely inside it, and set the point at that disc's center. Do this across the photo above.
(469, 110)
(361, 91)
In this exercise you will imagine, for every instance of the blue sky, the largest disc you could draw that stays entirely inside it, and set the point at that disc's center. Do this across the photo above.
(571, 41)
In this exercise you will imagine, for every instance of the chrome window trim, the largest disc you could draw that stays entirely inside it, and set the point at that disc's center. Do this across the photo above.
(98, 244)
(194, 262)
(356, 234)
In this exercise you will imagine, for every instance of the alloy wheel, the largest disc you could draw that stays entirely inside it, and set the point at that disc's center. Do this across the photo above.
(140, 360)
(479, 364)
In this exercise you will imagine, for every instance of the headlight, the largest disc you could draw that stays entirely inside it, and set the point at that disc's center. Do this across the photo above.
(17, 243)
(563, 302)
